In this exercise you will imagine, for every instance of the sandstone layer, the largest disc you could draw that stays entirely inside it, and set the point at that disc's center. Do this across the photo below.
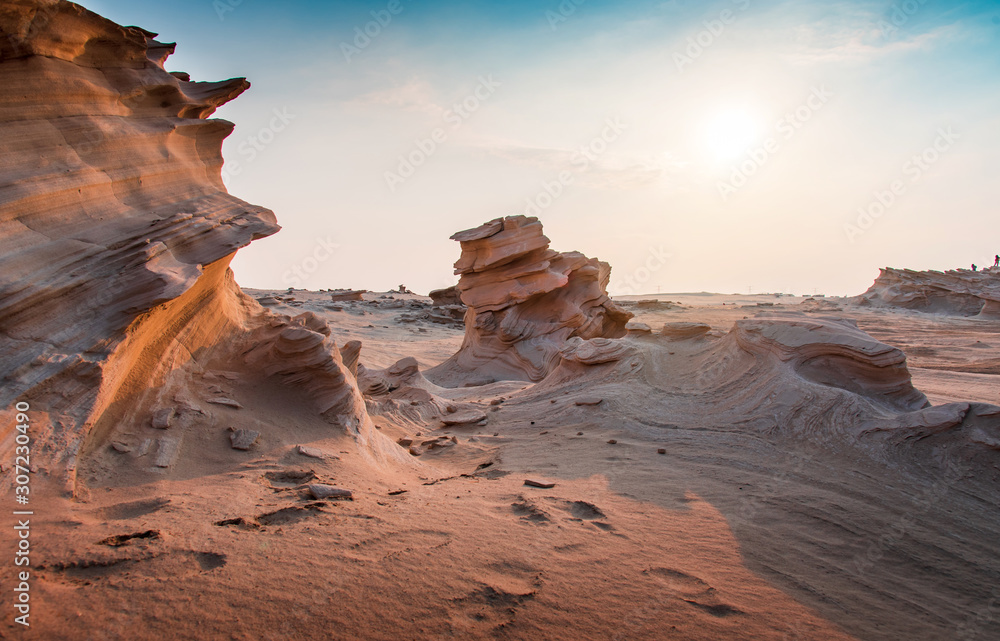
(117, 234)
(961, 292)
(524, 301)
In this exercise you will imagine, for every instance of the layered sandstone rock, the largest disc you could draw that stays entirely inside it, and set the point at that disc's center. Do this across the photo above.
(117, 233)
(524, 302)
(960, 292)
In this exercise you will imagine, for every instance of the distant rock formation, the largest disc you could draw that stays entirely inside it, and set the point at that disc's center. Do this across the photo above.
(960, 292)
(446, 296)
(524, 302)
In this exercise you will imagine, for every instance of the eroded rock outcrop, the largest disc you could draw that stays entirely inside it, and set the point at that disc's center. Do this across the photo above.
(117, 233)
(524, 302)
(961, 292)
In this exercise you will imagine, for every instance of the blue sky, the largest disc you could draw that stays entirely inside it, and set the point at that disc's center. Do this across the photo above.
(718, 146)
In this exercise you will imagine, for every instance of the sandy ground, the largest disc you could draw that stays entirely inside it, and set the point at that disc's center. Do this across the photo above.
(722, 536)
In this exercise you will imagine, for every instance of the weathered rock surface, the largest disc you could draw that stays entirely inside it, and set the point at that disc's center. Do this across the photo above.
(446, 296)
(116, 234)
(524, 301)
(961, 292)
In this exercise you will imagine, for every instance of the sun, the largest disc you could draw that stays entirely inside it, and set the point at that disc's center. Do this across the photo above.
(729, 133)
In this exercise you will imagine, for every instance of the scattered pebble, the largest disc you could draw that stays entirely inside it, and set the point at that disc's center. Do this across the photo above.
(323, 491)
(589, 400)
(661, 451)
(541, 484)
(228, 402)
(579, 433)
(612, 442)
(167, 451)
(312, 452)
(118, 446)
(243, 439)
(162, 418)
(464, 417)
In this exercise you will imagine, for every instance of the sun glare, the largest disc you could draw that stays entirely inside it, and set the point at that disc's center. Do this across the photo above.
(729, 133)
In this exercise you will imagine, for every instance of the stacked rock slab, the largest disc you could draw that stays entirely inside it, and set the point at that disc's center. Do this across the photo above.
(524, 302)
(960, 292)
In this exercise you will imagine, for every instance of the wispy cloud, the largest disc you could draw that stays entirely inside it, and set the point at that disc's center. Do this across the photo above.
(610, 170)
(823, 42)
(414, 95)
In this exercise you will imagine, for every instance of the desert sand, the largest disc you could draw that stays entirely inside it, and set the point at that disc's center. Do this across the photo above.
(522, 457)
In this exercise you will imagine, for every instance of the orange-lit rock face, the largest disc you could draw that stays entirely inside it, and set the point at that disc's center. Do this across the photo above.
(111, 200)
(525, 300)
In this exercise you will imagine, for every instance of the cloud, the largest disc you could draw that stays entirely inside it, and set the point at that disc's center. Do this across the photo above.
(415, 95)
(827, 42)
(609, 170)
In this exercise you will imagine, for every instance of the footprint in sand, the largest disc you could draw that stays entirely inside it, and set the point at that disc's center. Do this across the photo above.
(153, 567)
(529, 511)
(693, 590)
(131, 509)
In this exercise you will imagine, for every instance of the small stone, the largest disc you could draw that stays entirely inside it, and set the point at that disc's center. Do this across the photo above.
(167, 452)
(162, 418)
(405, 442)
(496, 401)
(589, 400)
(227, 402)
(311, 452)
(579, 433)
(612, 442)
(323, 491)
(242, 439)
(661, 451)
(541, 484)
(414, 451)
(465, 417)
(118, 446)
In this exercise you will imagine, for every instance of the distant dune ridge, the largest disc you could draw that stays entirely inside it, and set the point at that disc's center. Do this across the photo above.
(355, 464)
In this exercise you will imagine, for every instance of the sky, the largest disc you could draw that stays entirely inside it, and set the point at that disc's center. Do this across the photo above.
(733, 146)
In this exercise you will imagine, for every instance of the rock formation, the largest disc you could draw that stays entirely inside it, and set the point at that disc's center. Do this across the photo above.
(960, 292)
(524, 302)
(117, 232)
(446, 296)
